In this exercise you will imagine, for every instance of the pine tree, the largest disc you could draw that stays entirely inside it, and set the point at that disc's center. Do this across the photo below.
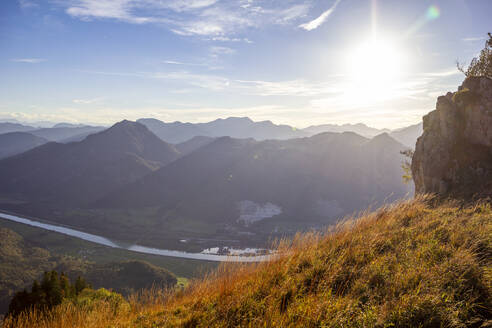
(54, 288)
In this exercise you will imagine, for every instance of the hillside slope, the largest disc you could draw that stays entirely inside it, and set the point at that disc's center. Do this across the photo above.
(247, 190)
(21, 261)
(297, 174)
(412, 264)
(14, 143)
(79, 172)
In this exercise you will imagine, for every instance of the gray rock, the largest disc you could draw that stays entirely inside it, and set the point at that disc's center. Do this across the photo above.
(453, 157)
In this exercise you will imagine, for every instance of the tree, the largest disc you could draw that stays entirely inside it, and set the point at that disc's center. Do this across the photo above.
(406, 165)
(481, 65)
(54, 288)
(80, 285)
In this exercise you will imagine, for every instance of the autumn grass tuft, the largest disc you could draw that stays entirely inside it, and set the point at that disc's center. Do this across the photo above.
(412, 264)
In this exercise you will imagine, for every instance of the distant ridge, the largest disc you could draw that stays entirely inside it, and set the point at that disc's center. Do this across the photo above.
(59, 133)
(244, 127)
(6, 127)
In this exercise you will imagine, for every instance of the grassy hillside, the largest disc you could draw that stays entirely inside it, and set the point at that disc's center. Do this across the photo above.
(409, 265)
(22, 261)
(63, 245)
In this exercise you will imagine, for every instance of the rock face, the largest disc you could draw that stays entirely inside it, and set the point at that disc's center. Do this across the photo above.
(453, 157)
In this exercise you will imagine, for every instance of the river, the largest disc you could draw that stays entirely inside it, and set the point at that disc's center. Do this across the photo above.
(134, 248)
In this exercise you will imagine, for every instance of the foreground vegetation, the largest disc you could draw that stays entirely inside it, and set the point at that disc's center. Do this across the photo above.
(24, 258)
(414, 264)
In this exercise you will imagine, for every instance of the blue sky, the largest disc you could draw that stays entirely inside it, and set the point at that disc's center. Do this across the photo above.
(381, 62)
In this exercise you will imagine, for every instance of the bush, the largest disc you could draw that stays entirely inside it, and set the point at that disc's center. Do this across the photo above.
(482, 65)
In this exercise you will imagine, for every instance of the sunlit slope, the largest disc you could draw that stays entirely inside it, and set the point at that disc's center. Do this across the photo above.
(409, 265)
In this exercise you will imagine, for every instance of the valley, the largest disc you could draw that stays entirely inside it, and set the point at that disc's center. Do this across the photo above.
(236, 255)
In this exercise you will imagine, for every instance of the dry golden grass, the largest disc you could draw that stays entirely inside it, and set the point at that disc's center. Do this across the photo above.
(413, 264)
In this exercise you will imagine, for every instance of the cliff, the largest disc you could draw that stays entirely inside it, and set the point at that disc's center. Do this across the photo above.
(453, 157)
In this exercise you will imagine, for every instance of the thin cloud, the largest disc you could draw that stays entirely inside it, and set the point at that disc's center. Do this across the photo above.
(86, 101)
(473, 39)
(228, 39)
(27, 4)
(218, 20)
(179, 63)
(315, 23)
(215, 51)
(449, 72)
(28, 60)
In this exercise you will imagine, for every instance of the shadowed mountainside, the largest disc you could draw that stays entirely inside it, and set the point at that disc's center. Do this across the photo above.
(193, 144)
(14, 143)
(80, 172)
(317, 179)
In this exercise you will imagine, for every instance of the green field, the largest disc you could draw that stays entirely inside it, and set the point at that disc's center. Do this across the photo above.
(60, 244)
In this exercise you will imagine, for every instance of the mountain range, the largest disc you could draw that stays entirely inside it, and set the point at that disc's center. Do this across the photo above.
(80, 172)
(244, 127)
(61, 132)
(126, 182)
(236, 127)
(316, 178)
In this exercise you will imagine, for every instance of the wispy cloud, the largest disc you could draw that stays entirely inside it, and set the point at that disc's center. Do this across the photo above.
(180, 63)
(315, 23)
(215, 19)
(28, 60)
(444, 73)
(292, 13)
(86, 101)
(28, 4)
(298, 88)
(216, 51)
(228, 39)
(474, 39)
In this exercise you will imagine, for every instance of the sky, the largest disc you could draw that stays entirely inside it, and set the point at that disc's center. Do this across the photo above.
(305, 62)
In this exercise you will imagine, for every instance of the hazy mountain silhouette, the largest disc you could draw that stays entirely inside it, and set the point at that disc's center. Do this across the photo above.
(68, 125)
(236, 127)
(358, 128)
(244, 127)
(193, 144)
(75, 173)
(14, 143)
(317, 178)
(63, 132)
(6, 127)
(409, 135)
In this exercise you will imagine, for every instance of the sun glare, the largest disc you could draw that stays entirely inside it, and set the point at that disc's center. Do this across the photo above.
(374, 69)
(374, 61)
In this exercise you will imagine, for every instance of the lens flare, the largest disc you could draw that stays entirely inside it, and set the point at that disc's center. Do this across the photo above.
(433, 13)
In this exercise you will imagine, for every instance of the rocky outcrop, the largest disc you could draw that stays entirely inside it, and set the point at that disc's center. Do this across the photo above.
(453, 157)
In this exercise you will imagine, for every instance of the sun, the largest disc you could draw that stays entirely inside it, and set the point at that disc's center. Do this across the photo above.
(376, 61)
(374, 69)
